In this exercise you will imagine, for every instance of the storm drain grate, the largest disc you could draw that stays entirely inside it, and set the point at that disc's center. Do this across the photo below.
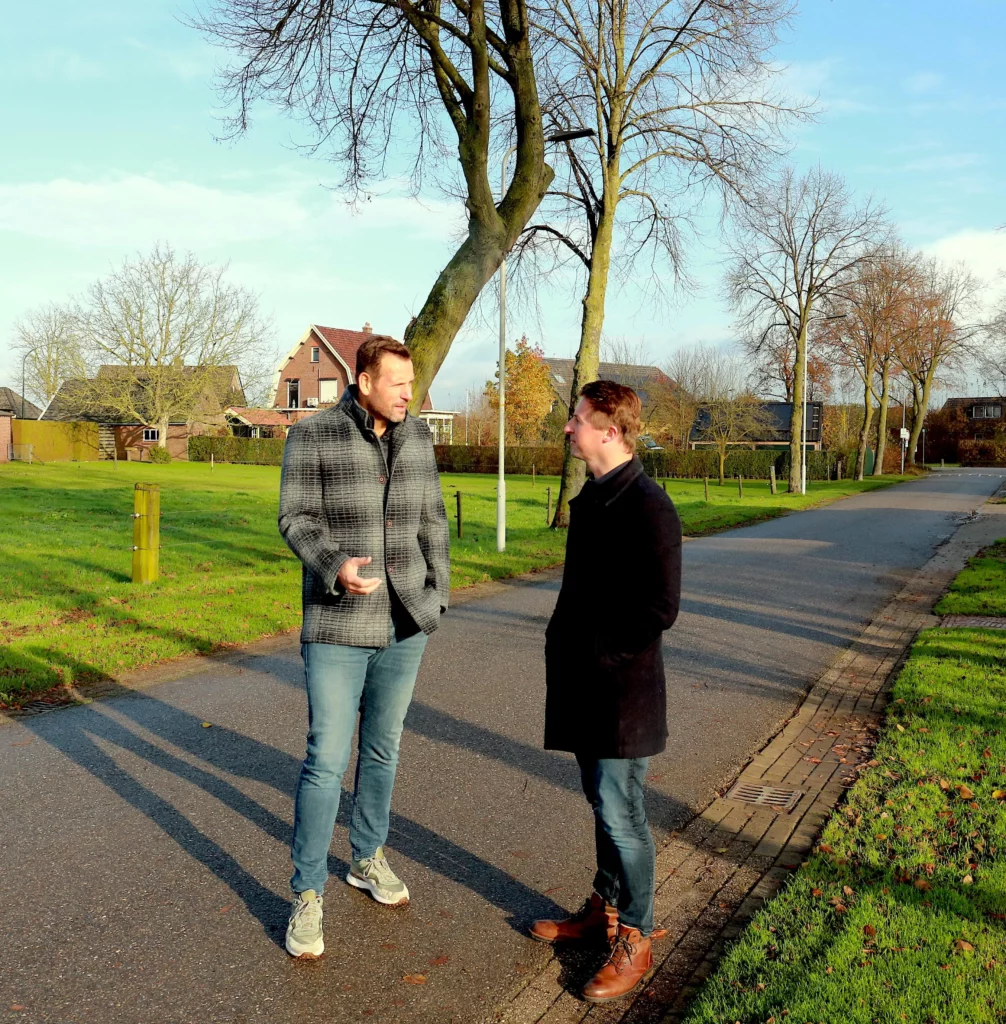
(765, 796)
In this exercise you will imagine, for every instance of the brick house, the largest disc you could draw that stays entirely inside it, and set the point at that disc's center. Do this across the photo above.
(6, 436)
(319, 368)
(124, 437)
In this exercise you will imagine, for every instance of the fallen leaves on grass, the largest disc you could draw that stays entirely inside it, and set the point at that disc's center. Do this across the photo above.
(414, 979)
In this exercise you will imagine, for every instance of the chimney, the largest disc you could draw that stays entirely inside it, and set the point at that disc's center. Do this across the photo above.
(367, 329)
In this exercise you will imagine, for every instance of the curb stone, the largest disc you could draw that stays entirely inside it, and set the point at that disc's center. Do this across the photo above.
(732, 857)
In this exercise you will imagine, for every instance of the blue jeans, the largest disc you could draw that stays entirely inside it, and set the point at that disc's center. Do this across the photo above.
(341, 680)
(626, 858)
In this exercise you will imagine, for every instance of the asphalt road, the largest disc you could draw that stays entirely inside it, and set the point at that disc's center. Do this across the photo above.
(144, 857)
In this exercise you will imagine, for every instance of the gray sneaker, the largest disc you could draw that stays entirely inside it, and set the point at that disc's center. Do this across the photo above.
(304, 937)
(375, 875)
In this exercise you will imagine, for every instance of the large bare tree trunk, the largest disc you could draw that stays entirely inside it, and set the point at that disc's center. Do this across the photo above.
(796, 420)
(885, 398)
(588, 355)
(864, 434)
(922, 392)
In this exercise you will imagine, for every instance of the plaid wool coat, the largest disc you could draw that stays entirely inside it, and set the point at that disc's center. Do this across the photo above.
(337, 502)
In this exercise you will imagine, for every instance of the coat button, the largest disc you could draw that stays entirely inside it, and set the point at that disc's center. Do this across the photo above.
(382, 479)
(387, 523)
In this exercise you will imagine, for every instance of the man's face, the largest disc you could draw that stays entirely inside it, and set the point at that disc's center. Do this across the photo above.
(585, 439)
(388, 392)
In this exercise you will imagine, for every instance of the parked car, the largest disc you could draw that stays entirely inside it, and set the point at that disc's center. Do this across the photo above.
(649, 444)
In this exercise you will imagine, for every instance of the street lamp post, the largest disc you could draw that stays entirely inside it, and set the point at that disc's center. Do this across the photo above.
(803, 445)
(579, 133)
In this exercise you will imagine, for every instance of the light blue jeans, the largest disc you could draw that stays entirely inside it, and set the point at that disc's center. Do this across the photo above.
(342, 680)
(626, 858)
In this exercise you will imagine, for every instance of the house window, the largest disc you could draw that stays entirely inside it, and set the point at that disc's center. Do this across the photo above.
(151, 434)
(293, 394)
(986, 412)
(328, 391)
(315, 354)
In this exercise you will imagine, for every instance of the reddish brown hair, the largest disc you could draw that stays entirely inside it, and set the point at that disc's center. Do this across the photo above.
(612, 403)
(368, 355)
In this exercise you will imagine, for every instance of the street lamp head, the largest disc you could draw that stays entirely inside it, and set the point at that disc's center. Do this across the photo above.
(568, 136)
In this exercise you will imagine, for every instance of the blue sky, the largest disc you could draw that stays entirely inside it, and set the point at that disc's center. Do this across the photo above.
(108, 147)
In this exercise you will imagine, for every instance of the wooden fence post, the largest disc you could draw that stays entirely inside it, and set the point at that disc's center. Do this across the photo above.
(548, 505)
(663, 483)
(740, 486)
(211, 462)
(146, 532)
(771, 479)
(460, 534)
(532, 474)
(838, 470)
(705, 481)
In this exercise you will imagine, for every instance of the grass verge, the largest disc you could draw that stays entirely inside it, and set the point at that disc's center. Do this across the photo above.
(71, 616)
(899, 914)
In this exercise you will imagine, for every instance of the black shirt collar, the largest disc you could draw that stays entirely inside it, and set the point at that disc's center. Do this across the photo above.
(608, 487)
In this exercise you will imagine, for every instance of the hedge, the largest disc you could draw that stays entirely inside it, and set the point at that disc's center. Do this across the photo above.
(982, 453)
(752, 465)
(255, 451)
(470, 458)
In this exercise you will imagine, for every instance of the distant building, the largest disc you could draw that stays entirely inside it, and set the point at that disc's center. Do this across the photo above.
(649, 382)
(319, 368)
(122, 436)
(983, 411)
(776, 434)
(17, 405)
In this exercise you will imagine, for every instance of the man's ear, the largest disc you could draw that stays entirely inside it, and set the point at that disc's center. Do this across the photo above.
(363, 382)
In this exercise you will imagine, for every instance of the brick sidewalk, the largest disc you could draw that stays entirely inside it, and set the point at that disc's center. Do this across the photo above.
(717, 873)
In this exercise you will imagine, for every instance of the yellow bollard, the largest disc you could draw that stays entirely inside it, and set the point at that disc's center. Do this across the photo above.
(146, 532)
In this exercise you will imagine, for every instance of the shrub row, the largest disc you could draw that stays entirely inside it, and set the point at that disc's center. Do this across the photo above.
(470, 458)
(752, 465)
(982, 453)
(255, 451)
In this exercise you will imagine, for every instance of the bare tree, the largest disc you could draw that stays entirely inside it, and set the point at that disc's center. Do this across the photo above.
(869, 318)
(796, 241)
(48, 342)
(934, 339)
(676, 93)
(158, 332)
(622, 350)
(363, 74)
(727, 415)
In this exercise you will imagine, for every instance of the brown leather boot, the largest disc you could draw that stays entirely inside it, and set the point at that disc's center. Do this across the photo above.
(630, 959)
(594, 920)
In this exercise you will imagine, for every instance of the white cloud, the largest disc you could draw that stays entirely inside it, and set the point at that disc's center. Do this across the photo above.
(136, 210)
(984, 252)
(922, 82)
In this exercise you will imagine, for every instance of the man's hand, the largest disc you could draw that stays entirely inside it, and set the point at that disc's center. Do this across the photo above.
(352, 582)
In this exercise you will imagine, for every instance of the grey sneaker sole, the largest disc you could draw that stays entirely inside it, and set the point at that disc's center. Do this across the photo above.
(368, 886)
(302, 951)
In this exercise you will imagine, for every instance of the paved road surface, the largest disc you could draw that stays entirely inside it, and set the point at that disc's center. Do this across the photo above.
(144, 857)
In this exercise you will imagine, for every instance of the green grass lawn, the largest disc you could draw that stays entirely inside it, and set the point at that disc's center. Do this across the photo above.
(976, 590)
(900, 914)
(71, 615)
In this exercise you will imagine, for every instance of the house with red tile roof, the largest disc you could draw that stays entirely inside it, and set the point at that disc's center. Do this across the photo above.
(248, 422)
(319, 368)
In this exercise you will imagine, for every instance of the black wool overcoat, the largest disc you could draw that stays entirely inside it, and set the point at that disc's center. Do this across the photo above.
(621, 587)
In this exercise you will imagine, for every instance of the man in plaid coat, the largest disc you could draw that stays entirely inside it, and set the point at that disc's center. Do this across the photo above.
(361, 507)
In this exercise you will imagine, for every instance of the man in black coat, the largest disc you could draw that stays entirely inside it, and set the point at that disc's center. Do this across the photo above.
(606, 697)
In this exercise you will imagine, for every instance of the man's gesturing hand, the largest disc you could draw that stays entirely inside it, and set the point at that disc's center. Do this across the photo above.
(352, 582)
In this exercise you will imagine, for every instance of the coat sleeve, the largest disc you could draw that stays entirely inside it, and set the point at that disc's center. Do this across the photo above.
(301, 513)
(657, 583)
(434, 533)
